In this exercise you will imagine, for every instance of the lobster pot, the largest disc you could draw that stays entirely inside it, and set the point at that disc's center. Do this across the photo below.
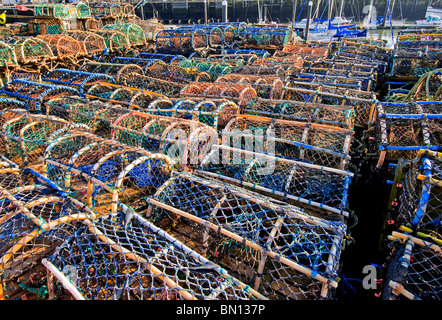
(401, 129)
(133, 32)
(118, 71)
(171, 59)
(63, 46)
(103, 9)
(278, 251)
(35, 220)
(362, 102)
(83, 11)
(165, 88)
(366, 51)
(265, 87)
(163, 268)
(80, 80)
(416, 194)
(92, 24)
(238, 27)
(235, 59)
(339, 116)
(260, 69)
(143, 63)
(94, 44)
(361, 68)
(416, 61)
(114, 40)
(26, 136)
(150, 29)
(103, 172)
(414, 271)
(306, 52)
(318, 190)
(291, 64)
(241, 94)
(215, 113)
(314, 143)
(8, 105)
(205, 67)
(261, 54)
(161, 70)
(184, 141)
(35, 94)
(8, 55)
(97, 116)
(129, 98)
(30, 49)
(356, 83)
(256, 37)
(183, 40)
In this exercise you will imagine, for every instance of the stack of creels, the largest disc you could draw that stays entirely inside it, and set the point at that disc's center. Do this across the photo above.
(160, 87)
(64, 46)
(36, 94)
(214, 69)
(93, 43)
(130, 98)
(416, 57)
(321, 191)
(276, 249)
(241, 93)
(116, 41)
(414, 265)
(181, 40)
(342, 116)
(360, 51)
(291, 64)
(269, 87)
(215, 113)
(133, 32)
(116, 70)
(101, 173)
(363, 102)
(318, 144)
(354, 82)
(29, 50)
(261, 37)
(80, 80)
(8, 55)
(400, 130)
(161, 70)
(306, 52)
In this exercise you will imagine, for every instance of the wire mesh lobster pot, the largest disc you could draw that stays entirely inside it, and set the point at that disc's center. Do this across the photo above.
(416, 60)
(150, 29)
(414, 271)
(215, 113)
(211, 68)
(182, 40)
(314, 143)
(83, 11)
(63, 46)
(257, 37)
(265, 87)
(30, 49)
(171, 59)
(119, 71)
(100, 173)
(36, 218)
(162, 269)
(415, 199)
(399, 130)
(25, 136)
(184, 141)
(115, 40)
(61, 11)
(142, 62)
(235, 59)
(260, 69)
(161, 70)
(92, 24)
(238, 27)
(357, 83)
(261, 54)
(241, 94)
(306, 52)
(362, 102)
(133, 32)
(155, 86)
(290, 64)
(339, 116)
(368, 51)
(319, 190)
(130, 98)
(7, 55)
(80, 80)
(105, 9)
(241, 231)
(93, 43)
(35, 94)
